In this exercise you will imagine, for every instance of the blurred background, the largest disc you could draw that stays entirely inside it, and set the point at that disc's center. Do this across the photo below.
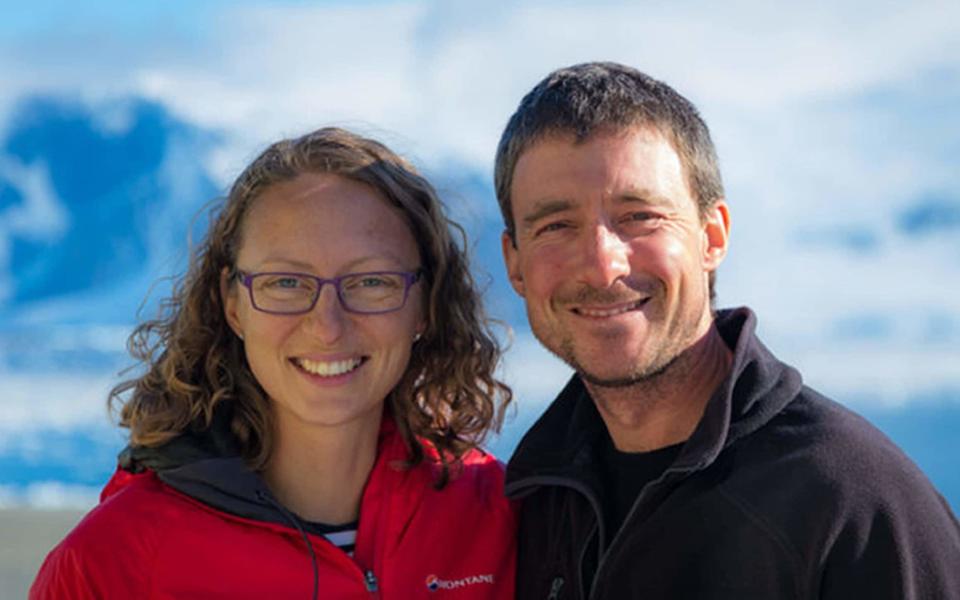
(837, 124)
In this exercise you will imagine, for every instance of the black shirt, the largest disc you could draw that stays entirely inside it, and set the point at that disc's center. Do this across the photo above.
(622, 476)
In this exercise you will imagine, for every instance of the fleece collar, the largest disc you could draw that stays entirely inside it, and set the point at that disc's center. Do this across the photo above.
(565, 441)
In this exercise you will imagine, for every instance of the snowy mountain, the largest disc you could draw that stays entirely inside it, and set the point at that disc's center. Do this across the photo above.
(95, 204)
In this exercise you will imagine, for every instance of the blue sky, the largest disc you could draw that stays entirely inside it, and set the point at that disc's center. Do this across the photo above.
(837, 124)
(51, 16)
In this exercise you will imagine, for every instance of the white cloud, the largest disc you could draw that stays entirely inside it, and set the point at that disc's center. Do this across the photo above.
(871, 375)
(534, 374)
(446, 75)
(49, 495)
(32, 401)
(39, 215)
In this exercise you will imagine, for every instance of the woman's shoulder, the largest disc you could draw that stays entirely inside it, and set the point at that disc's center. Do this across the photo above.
(484, 470)
(137, 504)
(478, 481)
(464, 533)
(110, 549)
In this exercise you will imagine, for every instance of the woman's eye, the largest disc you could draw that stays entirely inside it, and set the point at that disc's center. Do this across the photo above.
(372, 282)
(286, 283)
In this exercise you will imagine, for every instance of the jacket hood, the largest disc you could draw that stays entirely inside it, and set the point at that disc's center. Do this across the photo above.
(564, 441)
(206, 464)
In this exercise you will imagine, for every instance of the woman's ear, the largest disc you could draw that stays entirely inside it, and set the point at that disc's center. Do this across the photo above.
(228, 297)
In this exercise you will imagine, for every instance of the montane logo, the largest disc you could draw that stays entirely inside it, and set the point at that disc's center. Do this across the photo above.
(434, 583)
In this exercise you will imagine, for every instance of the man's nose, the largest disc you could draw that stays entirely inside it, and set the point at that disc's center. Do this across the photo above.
(327, 319)
(606, 257)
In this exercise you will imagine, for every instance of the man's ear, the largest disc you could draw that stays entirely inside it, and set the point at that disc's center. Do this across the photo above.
(512, 260)
(228, 296)
(716, 230)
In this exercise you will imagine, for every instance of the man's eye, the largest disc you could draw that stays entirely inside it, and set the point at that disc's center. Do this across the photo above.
(553, 226)
(642, 219)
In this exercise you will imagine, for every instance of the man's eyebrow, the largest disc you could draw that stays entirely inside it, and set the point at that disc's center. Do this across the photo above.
(545, 208)
(644, 197)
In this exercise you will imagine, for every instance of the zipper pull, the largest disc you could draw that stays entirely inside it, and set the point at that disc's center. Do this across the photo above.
(555, 587)
(371, 580)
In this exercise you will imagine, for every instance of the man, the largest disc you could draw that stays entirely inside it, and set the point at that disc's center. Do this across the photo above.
(682, 460)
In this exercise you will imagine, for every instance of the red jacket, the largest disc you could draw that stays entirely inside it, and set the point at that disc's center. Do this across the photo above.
(148, 540)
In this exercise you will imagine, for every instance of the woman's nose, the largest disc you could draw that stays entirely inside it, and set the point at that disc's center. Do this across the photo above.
(327, 320)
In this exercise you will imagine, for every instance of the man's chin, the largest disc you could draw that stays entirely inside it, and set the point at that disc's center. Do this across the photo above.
(624, 378)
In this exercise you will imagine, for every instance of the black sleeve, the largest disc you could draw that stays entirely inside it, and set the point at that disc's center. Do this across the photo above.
(907, 549)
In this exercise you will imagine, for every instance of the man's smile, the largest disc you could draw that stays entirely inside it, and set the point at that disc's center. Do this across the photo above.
(600, 312)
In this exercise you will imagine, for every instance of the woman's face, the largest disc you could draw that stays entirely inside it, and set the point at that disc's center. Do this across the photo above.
(328, 367)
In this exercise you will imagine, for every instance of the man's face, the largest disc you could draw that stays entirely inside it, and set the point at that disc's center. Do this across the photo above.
(612, 256)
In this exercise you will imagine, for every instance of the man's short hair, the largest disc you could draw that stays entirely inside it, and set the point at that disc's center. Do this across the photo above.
(601, 97)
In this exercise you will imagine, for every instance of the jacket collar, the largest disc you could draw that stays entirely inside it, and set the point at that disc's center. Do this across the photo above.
(206, 465)
(565, 440)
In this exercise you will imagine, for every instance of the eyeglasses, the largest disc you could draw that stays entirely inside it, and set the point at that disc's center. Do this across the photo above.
(297, 293)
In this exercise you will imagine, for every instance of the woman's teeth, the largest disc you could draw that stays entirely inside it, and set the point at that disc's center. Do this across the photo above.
(328, 369)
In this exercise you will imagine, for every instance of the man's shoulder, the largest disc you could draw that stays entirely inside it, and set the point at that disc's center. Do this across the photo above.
(826, 436)
(819, 460)
(832, 487)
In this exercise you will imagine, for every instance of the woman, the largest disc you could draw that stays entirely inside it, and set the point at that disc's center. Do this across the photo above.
(308, 418)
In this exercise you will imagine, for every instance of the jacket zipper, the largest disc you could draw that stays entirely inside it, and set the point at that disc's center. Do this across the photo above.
(371, 580)
(643, 498)
(555, 586)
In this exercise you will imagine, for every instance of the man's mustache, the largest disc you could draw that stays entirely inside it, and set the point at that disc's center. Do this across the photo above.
(619, 293)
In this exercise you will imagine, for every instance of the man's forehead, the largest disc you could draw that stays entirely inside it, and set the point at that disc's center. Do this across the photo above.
(580, 137)
(567, 145)
(631, 196)
(642, 150)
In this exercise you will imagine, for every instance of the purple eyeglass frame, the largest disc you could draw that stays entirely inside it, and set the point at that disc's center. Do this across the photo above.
(409, 278)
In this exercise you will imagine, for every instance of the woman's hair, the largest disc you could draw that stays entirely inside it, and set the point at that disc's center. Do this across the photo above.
(448, 397)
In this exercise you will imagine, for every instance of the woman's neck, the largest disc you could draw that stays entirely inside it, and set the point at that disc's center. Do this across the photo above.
(320, 472)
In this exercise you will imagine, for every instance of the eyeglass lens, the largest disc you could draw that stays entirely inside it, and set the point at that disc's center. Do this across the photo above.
(360, 292)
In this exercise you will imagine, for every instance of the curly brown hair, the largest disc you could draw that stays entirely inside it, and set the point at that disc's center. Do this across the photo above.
(448, 398)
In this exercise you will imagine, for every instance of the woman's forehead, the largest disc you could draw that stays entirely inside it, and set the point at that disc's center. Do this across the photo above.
(323, 215)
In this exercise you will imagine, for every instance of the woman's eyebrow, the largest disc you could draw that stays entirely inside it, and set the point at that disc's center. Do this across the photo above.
(306, 267)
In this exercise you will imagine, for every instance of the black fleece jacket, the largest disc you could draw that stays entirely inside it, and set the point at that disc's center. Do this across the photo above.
(778, 493)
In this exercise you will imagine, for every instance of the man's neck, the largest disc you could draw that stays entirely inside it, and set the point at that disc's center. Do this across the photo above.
(666, 408)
